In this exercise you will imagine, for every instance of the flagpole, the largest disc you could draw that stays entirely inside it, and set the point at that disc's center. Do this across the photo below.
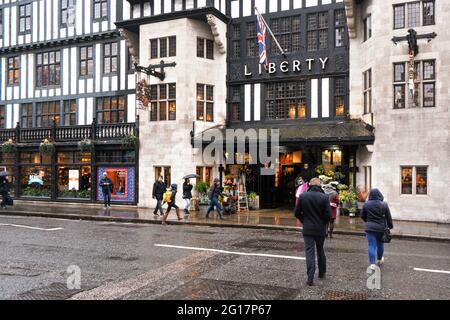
(271, 33)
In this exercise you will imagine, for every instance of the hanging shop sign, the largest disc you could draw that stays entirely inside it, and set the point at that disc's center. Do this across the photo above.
(286, 66)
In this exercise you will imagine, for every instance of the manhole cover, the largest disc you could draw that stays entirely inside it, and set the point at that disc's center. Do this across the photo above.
(267, 244)
(55, 291)
(345, 295)
(207, 289)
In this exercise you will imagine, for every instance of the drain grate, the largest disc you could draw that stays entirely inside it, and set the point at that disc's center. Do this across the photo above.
(345, 295)
(270, 244)
(55, 291)
(207, 289)
(19, 272)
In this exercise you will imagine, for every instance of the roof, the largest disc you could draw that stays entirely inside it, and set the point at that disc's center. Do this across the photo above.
(340, 132)
(198, 14)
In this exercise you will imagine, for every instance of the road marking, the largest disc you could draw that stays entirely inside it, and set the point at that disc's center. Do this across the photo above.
(231, 252)
(28, 227)
(431, 270)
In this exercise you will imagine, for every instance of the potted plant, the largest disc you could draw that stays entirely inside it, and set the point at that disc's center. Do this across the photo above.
(348, 198)
(9, 146)
(86, 145)
(202, 188)
(46, 147)
(253, 201)
(130, 140)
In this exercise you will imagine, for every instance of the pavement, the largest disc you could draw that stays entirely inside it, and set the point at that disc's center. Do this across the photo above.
(58, 259)
(279, 219)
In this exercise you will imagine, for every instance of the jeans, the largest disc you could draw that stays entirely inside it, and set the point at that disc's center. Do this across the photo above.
(376, 247)
(310, 243)
(214, 203)
(158, 207)
(107, 198)
(187, 204)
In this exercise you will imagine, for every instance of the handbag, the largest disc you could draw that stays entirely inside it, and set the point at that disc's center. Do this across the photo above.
(386, 237)
(9, 201)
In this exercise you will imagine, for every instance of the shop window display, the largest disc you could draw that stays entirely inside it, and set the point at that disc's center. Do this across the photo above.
(74, 178)
(123, 179)
(35, 181)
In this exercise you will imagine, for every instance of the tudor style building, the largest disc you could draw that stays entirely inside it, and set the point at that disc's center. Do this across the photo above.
(399, 83)
(66, 75)
(216, 82)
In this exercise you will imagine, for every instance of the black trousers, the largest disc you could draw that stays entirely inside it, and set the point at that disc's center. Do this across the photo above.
(4, 199)
(158, 207)
(312, 243)
(170, 206)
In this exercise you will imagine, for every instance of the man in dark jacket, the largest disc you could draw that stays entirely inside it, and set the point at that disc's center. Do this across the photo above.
(377, 218)
(4, 190)
(159, 188)
(314, 211)
(106, 185)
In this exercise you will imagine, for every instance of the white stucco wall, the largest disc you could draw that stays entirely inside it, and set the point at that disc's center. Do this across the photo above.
(167, 143)
(410, 136)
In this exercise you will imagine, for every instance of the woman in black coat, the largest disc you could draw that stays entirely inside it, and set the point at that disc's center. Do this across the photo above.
(377, 218)
(4, 190)
(187, 195)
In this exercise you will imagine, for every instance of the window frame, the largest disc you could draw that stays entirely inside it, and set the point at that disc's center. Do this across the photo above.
(340, 95)
(15, 70)
(25, 17)
(235, 100)
(403, 24)
(317, 30)
(235, 40)
(101, 17)
(43, 117)
(1, 23)
(116, 111)
(2, 116)
(367, 91)
(63, 11)
(71, 103)
(423, 12)
(406, 14)
(419, 80)
(86, 60)
(171, 51)
(27, 117)
(111, 57)
(414, 185)
(341, 26)
(205, 101)
(367, 27)
(42, 65)
(202, 50)
(297, 97)
(167, 100)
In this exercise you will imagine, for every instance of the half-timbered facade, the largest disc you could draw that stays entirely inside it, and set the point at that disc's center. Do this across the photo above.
(66, 75)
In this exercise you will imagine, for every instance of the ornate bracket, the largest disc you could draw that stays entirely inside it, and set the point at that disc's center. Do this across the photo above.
(412, 38)
(215, 31)
(151, 69)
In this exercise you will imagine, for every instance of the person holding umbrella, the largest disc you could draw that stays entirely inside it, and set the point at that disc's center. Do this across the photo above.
(187, 195)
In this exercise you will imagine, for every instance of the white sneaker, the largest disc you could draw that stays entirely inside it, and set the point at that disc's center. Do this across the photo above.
(373, 267)
(381, 261)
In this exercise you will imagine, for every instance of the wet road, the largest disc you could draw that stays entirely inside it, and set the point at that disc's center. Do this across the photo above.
(127, 261)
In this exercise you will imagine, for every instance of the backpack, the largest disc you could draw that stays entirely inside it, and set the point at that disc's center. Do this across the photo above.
(168, 196)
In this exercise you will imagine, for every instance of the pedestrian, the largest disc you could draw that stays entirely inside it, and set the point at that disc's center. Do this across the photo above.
(330, 191)
(4, 192)
(106, 185)
(214, 194)
(314, 211)
(187, 195)
(377, 218)
(171, 204)
(301, 186)
(159, 188)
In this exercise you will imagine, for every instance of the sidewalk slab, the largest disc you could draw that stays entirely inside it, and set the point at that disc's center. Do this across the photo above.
(282, 220)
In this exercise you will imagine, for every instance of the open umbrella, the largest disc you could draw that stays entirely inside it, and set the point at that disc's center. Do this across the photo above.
(5, 174)
(191, 176)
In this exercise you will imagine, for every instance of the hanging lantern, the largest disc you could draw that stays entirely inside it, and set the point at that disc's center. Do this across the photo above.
(142, 89)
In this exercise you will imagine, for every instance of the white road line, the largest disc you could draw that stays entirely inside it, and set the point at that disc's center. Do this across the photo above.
(28, 227)
(431, 270)
(231, 252)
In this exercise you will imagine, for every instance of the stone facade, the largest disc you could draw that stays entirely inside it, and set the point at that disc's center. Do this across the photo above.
(416, 136)
(168, 143)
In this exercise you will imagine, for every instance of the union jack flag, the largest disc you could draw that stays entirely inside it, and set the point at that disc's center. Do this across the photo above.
(261, 29)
